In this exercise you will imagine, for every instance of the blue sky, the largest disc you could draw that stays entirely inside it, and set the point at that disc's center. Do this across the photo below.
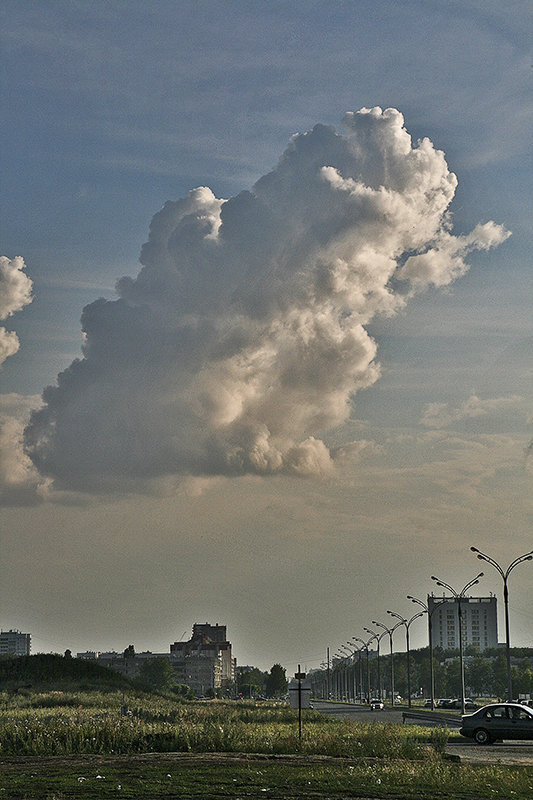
(114, 108)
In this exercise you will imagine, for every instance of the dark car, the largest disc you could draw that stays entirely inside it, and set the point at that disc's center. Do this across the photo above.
(498, 721)
(468, 703)
(445, 702)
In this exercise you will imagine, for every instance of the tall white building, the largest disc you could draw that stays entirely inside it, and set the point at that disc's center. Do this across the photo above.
(15, 643)
(480, 622)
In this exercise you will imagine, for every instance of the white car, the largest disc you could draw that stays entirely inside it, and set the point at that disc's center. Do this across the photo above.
(376, 705)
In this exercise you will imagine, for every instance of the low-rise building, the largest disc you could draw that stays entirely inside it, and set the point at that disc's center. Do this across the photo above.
(204, 662)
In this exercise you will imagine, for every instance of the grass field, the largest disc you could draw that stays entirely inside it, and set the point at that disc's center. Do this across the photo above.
(65, 744)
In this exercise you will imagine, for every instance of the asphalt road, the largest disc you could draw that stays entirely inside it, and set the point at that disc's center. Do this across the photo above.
(465, 751)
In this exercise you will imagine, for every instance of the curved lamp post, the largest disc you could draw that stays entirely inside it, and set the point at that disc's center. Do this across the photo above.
(335, 670)
(365, 645)
(430, 635)
(359, 649)
(378, 637)
(354, 649)
(458, 597)
(407, 623)
(340, 673)
(390, 631)
(349, 654)
(505, 575)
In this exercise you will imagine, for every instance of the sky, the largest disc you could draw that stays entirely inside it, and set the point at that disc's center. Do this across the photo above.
(265, 318)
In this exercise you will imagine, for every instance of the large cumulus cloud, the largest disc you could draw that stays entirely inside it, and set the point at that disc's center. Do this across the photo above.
(18, 477)
(15, 293)
(242, 339)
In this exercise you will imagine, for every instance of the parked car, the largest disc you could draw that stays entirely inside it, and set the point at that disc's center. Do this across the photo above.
(376, 705)
(427, 703)
(498, 721)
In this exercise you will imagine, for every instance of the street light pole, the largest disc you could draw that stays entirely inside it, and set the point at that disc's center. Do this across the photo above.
(505, 575)
(353, 683)
(458, 597)
(430, 635)
(365, 645)
(346, 672)
(352, 650)
(358, 651)
(378, 637)
(390, 631)
(407, 624)
(360, 668)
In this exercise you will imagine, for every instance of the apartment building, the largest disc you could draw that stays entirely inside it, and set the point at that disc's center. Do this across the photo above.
(15, 643)
(480, 621)
(208, 645)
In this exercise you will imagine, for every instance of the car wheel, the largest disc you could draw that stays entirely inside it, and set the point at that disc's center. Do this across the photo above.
(481, 736)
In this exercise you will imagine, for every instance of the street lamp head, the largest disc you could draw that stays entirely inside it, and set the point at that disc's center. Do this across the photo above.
(474, 550)
(394, 614)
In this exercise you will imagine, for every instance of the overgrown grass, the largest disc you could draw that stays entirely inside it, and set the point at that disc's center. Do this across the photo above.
(62, 723)
(72, 744)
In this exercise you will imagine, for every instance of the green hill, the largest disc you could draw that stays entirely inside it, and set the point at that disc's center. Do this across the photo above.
(56, 672)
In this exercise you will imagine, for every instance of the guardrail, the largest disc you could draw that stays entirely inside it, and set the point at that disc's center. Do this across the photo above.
(429, 716)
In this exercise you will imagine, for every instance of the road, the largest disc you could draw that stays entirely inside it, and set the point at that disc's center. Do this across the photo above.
(465, 751)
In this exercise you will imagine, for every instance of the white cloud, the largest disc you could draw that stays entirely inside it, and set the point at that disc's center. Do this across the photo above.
(442, 415)
(242, 339)
(20, 483)
(15, 293)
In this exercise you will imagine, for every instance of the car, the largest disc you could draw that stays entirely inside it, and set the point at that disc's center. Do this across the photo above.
(498, 721)
(427, 703)
(376, 704)
(445, 702)
(457, 703)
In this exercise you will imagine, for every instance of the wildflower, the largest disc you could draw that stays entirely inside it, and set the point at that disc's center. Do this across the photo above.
(378, 780)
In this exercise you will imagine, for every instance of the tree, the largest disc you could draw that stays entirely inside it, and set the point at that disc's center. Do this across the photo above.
(129, 652)
(182, 690)
(479, 675)
(499, 682)
(251, 682)
(276, 682)
(157, 673)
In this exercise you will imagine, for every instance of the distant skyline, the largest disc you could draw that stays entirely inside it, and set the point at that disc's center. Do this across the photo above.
(315, 390)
